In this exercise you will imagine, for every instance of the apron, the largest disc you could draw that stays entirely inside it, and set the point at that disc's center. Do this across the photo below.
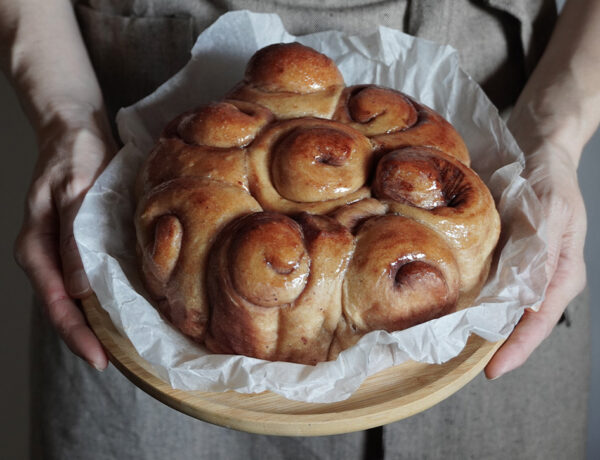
(537, 411)
(497, 41)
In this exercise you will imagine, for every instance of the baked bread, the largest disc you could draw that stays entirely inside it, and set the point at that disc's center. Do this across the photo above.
(296, 215)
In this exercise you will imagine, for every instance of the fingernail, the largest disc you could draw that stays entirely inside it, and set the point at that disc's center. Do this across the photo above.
(495, 378)
(78, 282)
(96, 366)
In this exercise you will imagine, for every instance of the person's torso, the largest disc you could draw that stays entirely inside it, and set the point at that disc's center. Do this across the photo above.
(137, 44)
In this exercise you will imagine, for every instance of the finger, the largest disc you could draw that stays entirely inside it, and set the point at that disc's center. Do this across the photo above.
(37, 254)
(71, 325)
(75, 278)
(527, 335)
(534, 327)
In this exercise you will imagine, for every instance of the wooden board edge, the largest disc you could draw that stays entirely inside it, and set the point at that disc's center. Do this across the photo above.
(278, 424)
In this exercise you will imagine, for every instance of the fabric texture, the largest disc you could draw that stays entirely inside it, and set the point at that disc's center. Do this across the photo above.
(498, 40)
(537, 411)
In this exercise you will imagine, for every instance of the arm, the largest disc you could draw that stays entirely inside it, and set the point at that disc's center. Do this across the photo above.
(43, 56)
(554, 117)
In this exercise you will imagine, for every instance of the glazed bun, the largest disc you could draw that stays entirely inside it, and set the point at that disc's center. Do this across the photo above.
(297, 215)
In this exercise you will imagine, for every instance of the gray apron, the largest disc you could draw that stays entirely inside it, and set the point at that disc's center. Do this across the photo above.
(537, 411)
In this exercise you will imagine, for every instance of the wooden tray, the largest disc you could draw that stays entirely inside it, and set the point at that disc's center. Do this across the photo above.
(388, 396)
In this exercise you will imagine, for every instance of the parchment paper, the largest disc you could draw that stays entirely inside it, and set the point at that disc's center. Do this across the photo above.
(104, 227)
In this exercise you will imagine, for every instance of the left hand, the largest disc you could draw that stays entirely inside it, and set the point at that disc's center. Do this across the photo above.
(553, 176)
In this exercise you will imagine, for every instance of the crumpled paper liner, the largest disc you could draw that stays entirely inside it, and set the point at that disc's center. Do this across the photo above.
(104, 228)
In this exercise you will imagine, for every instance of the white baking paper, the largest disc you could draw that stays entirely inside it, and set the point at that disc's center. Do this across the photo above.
(104, 227)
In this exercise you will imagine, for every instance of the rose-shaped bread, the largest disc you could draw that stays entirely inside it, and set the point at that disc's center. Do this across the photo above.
(274, 286)
(206, 142)
(308, 164)
(445, 195)
(391, 120)
(401, 274)
(292, 81)
(297, 215)
(176, 224)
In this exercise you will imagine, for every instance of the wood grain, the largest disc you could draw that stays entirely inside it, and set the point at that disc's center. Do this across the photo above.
(388, 396)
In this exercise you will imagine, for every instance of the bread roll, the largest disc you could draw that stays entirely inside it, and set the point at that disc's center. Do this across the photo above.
(297, 215)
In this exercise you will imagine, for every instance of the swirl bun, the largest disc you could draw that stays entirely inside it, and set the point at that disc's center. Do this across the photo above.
(207, 142)
(274, 286)
(293, 68)
(226, 124)
(297, 215)
(445, 195)
(401, 274)
(292, 81)
(176, 224)
(392, 120)
(308, 164)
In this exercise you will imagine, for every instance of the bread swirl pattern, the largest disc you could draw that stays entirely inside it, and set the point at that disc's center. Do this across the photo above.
(275, 286)
(393, 120)
(441, 193)
(298, 214)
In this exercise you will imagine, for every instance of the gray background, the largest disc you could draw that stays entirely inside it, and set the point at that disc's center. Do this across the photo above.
(19, 152)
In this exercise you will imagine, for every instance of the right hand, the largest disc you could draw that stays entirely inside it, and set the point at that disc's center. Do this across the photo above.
(75, 145)
(552, 173)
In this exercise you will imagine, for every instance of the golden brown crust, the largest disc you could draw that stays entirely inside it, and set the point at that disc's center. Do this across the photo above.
(308, 164)
(392, 120)
(292, 80)
(354, 214)
(268, 229)
(274, 287)
(225, 124)
(401, 274)
(447, 196)
(172, 158)
(184, 210)
(293, 68)
(206, 142)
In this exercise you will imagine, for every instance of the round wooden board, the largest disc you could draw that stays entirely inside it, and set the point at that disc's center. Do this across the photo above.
(386, 397)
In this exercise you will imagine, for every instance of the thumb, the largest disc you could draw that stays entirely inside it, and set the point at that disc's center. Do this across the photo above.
(534, 327)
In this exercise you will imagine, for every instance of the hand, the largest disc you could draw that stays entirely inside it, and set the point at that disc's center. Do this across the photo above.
(552, 173)
(74, 148)
(555, 116)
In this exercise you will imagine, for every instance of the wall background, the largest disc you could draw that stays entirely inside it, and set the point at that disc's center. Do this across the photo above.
(18, 153)
(589, 170)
